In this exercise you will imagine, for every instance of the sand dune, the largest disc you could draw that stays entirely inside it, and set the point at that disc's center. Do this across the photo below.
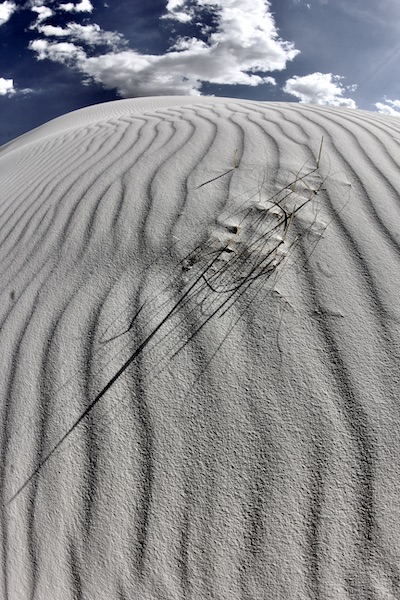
(200, 340)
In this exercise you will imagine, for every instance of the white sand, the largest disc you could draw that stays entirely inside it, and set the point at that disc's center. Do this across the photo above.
(186, 413)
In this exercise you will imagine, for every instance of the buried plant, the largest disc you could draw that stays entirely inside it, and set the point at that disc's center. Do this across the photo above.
(264, 234)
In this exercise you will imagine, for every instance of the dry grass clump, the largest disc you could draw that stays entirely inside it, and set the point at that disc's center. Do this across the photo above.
(261, 235)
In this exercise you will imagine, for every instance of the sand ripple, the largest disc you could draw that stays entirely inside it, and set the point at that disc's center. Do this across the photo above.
(200, 334)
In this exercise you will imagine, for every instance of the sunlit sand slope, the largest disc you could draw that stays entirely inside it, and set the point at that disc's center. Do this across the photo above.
(200, 343)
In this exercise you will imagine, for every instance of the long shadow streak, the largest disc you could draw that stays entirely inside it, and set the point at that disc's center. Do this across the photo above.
(117, 375)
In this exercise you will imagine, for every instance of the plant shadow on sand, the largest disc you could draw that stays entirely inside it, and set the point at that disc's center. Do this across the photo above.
(248, 250)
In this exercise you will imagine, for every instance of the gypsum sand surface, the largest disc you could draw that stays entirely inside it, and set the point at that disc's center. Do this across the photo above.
(200, 353)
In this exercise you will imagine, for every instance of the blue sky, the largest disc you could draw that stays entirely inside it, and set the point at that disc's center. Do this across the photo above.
(59, 55)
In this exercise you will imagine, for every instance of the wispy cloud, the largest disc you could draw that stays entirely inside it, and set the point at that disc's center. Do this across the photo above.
(7, 9)
(7, 88)
(242, 48)
(92, 35)
(389, 107)
(320, 88)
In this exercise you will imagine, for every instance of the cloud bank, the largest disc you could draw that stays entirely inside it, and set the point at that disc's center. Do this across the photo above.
(319, 88)
(232, 42)
(241, 49)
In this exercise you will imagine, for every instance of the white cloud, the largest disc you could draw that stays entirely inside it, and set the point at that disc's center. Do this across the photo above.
(90, 34)
(173, 11)
(83, 6)
(241, 49)
(43, 13)
(389, 107)
(174, 4)
(7, 9)
(63, 52)
(319, 88)
(6, 87)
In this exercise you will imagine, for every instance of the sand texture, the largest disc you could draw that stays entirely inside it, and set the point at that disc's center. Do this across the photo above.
(200, 343)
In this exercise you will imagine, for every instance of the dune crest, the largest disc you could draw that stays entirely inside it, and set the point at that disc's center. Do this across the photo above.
(200, 335)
